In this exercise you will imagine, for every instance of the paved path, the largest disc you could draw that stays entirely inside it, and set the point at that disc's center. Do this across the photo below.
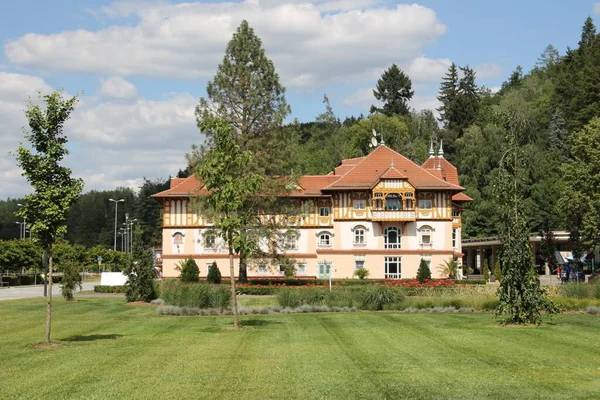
(28, 292)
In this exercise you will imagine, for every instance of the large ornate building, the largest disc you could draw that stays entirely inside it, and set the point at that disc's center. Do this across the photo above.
(381, 212)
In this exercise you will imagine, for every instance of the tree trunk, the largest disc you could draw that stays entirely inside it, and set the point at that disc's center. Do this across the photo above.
(243, 275)
(49, 307)
(236, 320)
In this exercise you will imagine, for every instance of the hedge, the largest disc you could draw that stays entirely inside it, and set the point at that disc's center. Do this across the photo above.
(109, 289)
(26, 280)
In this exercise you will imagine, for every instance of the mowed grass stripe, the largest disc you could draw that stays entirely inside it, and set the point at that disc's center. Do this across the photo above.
(131, 352)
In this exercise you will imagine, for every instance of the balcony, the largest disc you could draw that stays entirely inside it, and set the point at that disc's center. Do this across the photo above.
(393, 215)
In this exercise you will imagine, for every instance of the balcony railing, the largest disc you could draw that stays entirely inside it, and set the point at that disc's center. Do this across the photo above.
(393, 215)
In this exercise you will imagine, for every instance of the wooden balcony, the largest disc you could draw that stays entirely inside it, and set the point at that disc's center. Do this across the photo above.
(393, 215)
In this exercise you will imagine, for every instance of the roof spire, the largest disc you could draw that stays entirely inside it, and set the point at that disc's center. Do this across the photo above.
(392, 163)
(441, 151)
(431, 152)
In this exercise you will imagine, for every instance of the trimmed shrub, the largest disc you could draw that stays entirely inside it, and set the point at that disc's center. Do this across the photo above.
(189, 271)
(486, 271)
(423, 273)
(214, 275)
(109, 289)
(497, 271)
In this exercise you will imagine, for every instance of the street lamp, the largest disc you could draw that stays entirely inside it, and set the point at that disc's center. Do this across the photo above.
(116, 208)
(131, 221)
(22, 225)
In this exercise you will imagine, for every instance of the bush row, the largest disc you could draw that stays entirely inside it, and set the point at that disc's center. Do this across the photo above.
(109, 289)
(196, 296)
(368, 298)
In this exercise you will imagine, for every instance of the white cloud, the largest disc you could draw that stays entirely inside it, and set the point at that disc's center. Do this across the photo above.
(597, 8)
(488, 71)
(112, 143)
(428, 69)
(328, 41)
(362, 97)
(117, 88)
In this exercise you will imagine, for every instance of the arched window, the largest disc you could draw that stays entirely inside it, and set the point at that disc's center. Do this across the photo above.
(425, 233)
(393, 201)
(324, 239)
(392, 236)
(359, 235)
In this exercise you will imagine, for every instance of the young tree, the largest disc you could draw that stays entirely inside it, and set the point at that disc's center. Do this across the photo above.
(54, 188)
(223, 170)
(246, 94)
(521, 299)
(497, 271)
(423, 273)
(558, 134)
(140, 272)
(486, 271)
(394, 89)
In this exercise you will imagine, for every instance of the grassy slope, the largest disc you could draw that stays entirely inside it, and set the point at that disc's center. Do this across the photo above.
(111, 350)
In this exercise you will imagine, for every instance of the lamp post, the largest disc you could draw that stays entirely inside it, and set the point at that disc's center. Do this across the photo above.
(116, 208)
(131, 221)
(21, 225)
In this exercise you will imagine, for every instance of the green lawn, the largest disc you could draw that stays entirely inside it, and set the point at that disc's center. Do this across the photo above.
(111, 350)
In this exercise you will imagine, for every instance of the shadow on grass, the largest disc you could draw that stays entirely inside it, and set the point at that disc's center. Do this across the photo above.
(91, 338)
(258, 322)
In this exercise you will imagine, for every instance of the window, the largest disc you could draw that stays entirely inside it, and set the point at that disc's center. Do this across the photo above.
(301, 269)
(454, 233)
(262, 269)
(358, 264)
(393, 267)
(210, 240)
(359, 204)
(392, 238)
(324, 239)
(425, 204)
(455, 213)
(426, 236)
(324, 211)
(393, 202)
(359, 235)
(324, 270)
(288, 242)
(178, 238)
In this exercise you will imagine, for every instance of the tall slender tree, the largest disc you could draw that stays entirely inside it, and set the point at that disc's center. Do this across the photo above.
(246, 94)
(394, 89)
(55, 190)
(448, 96)
(521, 298)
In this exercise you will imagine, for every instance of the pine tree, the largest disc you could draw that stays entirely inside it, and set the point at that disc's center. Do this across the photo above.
(423, 273)
(558, 134)
(189, 271)
(448, 96)
(588, 33)
(394, 89)
(467, 101)
(514, 81)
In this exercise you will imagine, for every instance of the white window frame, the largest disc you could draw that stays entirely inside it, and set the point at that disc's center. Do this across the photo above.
(359, 204)
(321, 239)
(454, 237)
(301, 269)
(206, 237)
(393, 260)
(262, 270)
(359, 232)
(358, 264)
(387, 244)
(324, 212)
(426, 231)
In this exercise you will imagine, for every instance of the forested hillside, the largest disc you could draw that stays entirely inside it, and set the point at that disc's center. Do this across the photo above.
(558, 98)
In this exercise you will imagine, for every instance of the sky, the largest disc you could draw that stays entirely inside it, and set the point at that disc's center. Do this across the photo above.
(141, 66)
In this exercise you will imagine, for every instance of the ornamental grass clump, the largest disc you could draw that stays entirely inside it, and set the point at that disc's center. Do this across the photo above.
(376, 297)
(577, 290)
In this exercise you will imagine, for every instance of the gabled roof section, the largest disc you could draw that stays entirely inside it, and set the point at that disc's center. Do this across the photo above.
(365, 173)
(461, 197)
(312, 184)
(392, 173)
(182, 187)
(443, 167)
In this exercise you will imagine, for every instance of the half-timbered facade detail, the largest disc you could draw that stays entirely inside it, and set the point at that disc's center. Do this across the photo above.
(381, 212)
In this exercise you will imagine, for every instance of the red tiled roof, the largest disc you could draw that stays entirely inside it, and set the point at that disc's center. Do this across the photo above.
(354, 173)
(461, 197)
(367, 172)
(447, 171)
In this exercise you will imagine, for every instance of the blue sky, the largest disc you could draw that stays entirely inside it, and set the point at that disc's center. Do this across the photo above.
(143, 64)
